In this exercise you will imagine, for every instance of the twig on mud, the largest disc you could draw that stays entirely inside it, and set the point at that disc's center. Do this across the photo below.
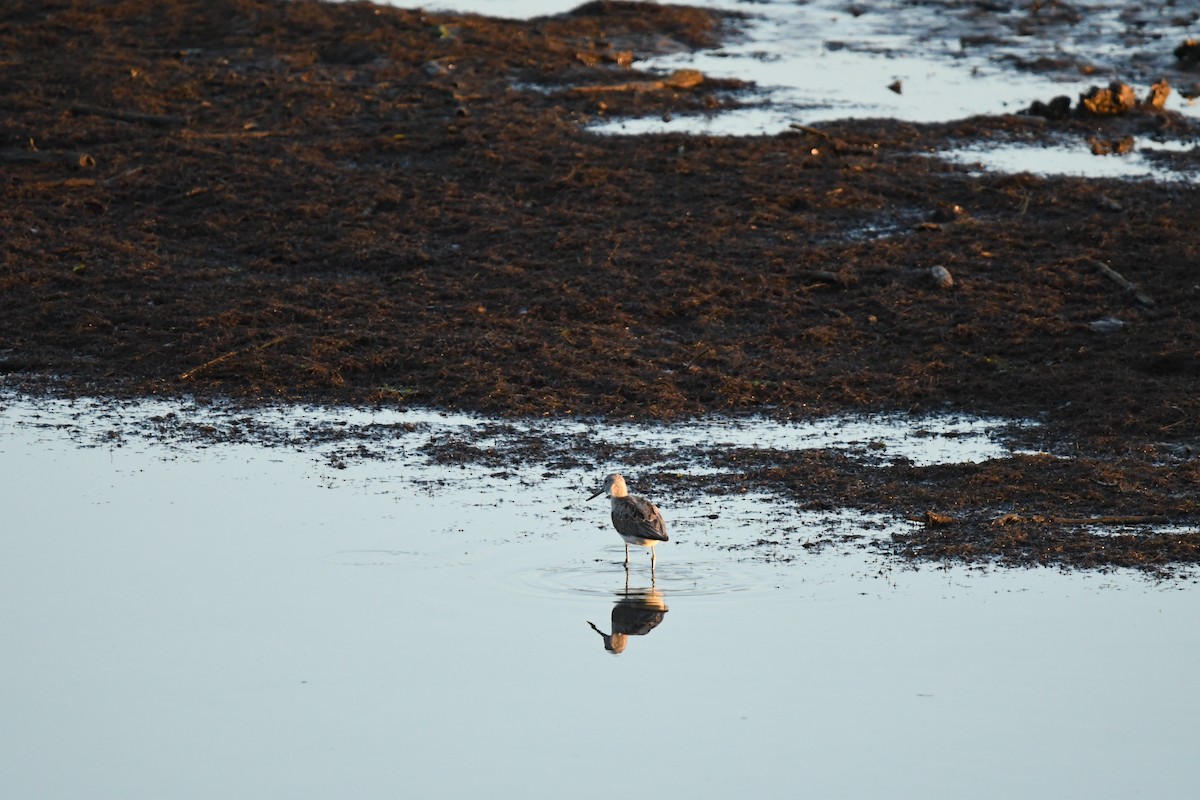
(1120, 280)
(679, 79)
(231, 354)
(125, 174)
(226, 134)
(159, 120)
(796, 126)
(65, 183)
(842, 280)
(933, 519)
(1051, 520)
(65, 157)
(612, 253)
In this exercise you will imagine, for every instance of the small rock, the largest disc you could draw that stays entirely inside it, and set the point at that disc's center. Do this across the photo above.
(1158, 94)
(896, 86)
(1182, 449)
(684, 79)
(941, 276)
(437, 69)
(1188, 53)
(1056, 109)
(1118, 98)
(1111, 147)
(949, 212)
(1107, 325)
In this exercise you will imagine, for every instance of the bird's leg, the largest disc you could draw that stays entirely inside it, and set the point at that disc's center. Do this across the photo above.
(652, 563)
(627, 554)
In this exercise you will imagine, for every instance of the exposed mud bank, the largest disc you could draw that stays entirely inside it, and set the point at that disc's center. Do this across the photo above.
(349, 204)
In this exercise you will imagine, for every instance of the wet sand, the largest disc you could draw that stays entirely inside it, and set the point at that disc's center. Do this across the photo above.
(290, 201)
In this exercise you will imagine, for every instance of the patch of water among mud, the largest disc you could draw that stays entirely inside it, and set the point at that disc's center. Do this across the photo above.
(921, 62)
(1076, 160)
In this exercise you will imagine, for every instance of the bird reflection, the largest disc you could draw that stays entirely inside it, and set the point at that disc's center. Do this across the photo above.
(636, 613)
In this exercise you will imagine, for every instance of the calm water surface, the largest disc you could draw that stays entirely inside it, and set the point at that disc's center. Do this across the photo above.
(241, 620)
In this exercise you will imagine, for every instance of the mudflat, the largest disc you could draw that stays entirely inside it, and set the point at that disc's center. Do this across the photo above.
(345, 203)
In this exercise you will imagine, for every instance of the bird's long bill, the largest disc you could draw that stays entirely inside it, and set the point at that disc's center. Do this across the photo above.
(597, 494)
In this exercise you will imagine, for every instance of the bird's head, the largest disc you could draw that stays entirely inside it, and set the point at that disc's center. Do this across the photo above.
(614, 486)
(614, 642)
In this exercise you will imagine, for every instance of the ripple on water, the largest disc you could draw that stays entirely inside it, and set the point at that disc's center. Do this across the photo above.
(604, 577)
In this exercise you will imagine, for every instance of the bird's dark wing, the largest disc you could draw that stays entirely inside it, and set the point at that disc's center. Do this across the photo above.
(637, 516)
(633, 619)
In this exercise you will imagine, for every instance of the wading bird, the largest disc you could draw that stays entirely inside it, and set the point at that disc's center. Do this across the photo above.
(637, 519)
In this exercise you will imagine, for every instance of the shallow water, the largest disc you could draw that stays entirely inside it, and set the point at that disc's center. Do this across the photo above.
(250, 619)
